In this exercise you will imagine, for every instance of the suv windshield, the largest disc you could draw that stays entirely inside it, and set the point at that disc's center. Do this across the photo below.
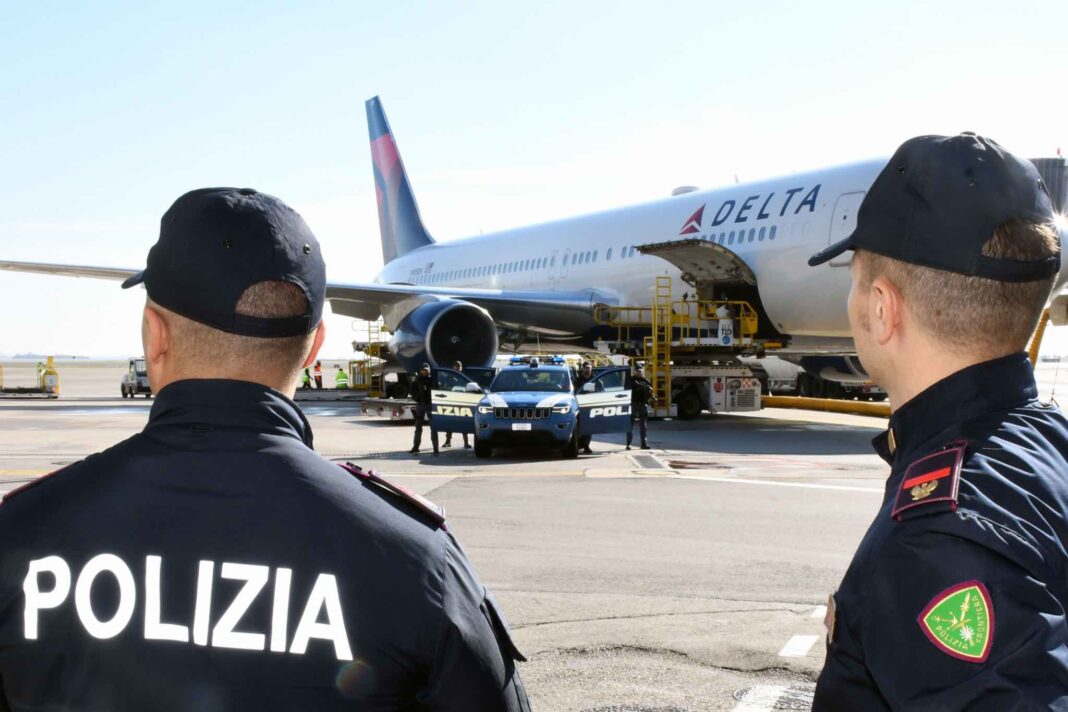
(522, 379)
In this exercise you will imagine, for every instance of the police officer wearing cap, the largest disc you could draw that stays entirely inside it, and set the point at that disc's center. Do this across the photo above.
(584, 376)
(214, 561)
(956, 598)
(422, 392)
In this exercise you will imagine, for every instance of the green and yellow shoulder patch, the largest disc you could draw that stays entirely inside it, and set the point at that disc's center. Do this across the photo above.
(960, 621)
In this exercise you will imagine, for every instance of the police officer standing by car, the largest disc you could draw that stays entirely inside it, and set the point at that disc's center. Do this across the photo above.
(584, 376)
(641, 395)
(422, 391)
(956, 598)
(457, 366)
(214, 561)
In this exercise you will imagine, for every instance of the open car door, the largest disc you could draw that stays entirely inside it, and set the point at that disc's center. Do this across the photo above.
(453, 400)
(604, 403)
(482, 375)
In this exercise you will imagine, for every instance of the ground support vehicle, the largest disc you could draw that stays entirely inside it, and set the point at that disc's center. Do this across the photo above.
(47, 383)
(718, 388)
(531, 403)
(781, 377)
(135, 380)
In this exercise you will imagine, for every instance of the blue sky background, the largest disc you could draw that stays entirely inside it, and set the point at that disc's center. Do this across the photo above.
(505, 114)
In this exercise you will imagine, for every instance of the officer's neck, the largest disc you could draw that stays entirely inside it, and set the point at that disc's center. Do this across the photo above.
(160, 380)
(925, 364)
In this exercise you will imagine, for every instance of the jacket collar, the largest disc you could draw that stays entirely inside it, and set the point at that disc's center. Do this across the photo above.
(969, 393)
(228, 404)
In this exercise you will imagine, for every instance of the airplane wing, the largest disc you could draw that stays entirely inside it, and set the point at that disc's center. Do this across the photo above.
(562, 312)
(115, 273)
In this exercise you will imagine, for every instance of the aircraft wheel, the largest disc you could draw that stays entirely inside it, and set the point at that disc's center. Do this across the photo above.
(804, 386)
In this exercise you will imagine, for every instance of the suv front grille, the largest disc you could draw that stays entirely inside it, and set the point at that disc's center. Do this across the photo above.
(522, 413)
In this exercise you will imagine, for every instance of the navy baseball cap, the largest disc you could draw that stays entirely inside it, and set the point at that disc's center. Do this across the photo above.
(938, 201)
(214, 243)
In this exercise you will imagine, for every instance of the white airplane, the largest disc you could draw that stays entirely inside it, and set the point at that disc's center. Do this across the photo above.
(751, 242)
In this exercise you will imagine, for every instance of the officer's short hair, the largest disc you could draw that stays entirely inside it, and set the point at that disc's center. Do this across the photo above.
(983, 316)
(198, 343)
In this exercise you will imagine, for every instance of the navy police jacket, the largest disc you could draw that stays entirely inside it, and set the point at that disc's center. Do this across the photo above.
(215, 562)
(956, 598)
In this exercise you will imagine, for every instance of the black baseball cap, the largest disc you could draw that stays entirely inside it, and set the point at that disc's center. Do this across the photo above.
(938, 201)
(214, 243)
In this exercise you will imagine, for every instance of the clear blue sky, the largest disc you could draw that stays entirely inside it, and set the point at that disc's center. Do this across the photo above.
(505, 114)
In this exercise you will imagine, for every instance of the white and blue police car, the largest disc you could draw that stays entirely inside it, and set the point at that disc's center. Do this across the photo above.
(530, 402)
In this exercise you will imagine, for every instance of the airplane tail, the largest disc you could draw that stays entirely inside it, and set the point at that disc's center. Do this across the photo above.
(398, 215)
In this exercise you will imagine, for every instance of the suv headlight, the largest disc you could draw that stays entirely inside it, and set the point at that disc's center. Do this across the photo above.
(485, 409)
(562, 409)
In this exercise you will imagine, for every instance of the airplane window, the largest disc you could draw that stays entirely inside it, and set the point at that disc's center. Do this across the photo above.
(608, 255)
(595, 255)
(760, 235)
(574, 258)
(771, 233)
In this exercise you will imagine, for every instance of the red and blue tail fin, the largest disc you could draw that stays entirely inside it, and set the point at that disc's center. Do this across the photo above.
(398, 215)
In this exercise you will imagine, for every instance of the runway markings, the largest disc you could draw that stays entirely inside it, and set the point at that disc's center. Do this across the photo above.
(761, 698)
(774, 483)
(798, 646)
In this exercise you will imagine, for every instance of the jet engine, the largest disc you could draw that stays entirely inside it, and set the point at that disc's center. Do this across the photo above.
(840, 369)
(444, 331)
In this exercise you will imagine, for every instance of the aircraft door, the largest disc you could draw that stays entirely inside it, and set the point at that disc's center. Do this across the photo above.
(563, 263)
(550, 267)
(453, 400)
(843, 222)
(605, 408)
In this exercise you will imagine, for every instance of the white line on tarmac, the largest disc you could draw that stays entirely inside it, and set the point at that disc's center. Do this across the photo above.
(772, 483)
(761, 698)
(798, 646)
(818, 612)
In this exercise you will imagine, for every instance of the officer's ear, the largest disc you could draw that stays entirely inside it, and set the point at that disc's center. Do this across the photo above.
(155, 336)
(885, 310)
(317, 343)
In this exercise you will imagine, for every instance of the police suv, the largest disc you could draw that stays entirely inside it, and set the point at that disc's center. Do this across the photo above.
(531, 402)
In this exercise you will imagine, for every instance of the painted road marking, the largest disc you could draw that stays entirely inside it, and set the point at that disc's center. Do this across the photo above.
(818, 612)
(773, 483)
(798, 646)
(761, 698)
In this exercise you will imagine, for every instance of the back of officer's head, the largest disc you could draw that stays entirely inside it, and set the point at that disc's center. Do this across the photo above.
(955, 251)
(236, 285)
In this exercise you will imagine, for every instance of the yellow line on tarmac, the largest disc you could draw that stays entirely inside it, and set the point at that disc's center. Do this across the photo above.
(21, 473)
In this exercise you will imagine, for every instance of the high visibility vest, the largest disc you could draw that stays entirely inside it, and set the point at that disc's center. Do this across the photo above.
(342, 379)
(305, 377)
(318, 372)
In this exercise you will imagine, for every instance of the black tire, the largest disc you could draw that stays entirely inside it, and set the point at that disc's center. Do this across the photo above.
(819, 388)
(122, 390)
(688, 404)
(398, 390)
(804, 386)
(571, 450)
(836, 391)
(482, 448)
(878, 397)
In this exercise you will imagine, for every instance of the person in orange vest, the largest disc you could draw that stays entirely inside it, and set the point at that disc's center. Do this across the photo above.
(318, 374)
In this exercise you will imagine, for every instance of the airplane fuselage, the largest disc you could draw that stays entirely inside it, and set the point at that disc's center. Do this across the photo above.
(773, 225)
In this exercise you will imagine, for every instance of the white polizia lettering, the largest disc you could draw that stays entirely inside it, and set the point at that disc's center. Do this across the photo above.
(323, 595)
(83, 595)
(224, 635)
(36, 599)
(47, 587)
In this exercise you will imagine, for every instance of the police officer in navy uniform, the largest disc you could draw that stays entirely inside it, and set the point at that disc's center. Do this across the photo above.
(956, 598)
(422, 392)
(641, 395)
(214, 561)
(584, 376)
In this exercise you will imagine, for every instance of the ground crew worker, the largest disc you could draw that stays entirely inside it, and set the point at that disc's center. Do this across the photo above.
(957, 596)
(318, 374)
(585, 375)
(215, 561)
(641, 395)
(422, 386)
(341, 379)
(305, 379)
(459, 368)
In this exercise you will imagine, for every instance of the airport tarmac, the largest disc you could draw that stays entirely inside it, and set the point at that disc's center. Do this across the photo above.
(687, 578)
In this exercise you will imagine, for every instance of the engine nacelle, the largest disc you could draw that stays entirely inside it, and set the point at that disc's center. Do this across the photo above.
(444, 331)
(840, 369)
